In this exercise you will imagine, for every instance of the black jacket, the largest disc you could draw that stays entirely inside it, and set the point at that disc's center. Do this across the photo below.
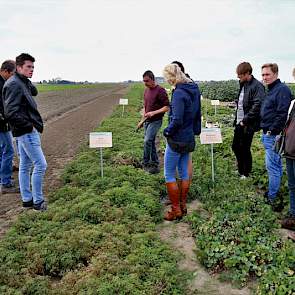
(254, 94)
(4, 127)
(274, 110)
(20, 108)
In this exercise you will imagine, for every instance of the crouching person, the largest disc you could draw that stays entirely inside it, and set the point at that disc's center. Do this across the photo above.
(26, 123)
(184, 124)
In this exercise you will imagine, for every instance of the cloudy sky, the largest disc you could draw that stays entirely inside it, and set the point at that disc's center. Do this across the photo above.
(116, 40)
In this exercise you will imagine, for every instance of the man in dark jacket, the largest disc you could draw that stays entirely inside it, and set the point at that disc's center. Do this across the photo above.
(20, 109)
(274, 111)
(6, 145)
(247, 117)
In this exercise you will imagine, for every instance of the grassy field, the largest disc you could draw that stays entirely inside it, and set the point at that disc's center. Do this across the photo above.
(99, 235)
(58, 87)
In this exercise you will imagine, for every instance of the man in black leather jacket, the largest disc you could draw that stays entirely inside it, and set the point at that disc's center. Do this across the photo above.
(6, 145)
(21, 111)
(247, 119)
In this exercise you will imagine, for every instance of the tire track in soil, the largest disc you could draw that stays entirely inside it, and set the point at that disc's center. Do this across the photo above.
(61, 140)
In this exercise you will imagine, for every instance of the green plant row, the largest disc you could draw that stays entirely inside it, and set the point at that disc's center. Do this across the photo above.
(59, 87)
(239, 236)
(99, 235)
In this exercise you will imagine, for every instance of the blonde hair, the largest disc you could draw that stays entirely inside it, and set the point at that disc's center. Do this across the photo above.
(173, 75)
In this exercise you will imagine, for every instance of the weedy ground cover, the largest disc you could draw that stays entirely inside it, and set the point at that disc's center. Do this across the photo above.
(58, 87)
(239, 237)
(99, 234)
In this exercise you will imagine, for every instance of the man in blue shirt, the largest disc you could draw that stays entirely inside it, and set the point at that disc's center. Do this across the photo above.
(273, 114)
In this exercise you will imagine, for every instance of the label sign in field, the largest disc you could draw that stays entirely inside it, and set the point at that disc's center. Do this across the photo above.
(215, 102)
(210, 136)
(100, 139)
(123, 101)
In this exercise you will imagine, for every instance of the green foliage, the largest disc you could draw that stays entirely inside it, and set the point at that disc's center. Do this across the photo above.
(221, 90)
(238, 237)
(99, 234)
(59, 87)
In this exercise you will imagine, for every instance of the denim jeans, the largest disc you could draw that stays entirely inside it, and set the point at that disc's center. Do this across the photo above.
(6, 157)
(274, 167)
(291, 183)
(173, 160)
(31, 154)
(149, 151)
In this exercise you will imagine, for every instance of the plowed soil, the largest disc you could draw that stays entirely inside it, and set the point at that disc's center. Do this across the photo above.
(69, 116)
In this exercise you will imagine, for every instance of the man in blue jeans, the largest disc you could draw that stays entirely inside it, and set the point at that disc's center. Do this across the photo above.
(6, 146)
(26, 123)
(274, 111)
(156, 104)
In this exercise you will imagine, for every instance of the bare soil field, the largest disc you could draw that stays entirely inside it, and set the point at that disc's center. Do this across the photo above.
(69, 116)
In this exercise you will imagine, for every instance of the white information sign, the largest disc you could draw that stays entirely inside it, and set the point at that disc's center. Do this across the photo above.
(123, 101)
(215, 102)
(100, 139)
(210, 136)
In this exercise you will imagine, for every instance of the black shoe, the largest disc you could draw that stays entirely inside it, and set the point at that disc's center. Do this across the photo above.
(28, 204)
(288, 222)
(276, 205)
(40, 206)
(154, 169)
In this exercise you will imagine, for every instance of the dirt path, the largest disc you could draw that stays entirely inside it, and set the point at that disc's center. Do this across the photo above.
(63, 135)
(179, 236)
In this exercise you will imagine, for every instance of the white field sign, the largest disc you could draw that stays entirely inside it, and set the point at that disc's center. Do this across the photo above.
(210, 136)
(100, 139)
(123, 101)
(215, 102)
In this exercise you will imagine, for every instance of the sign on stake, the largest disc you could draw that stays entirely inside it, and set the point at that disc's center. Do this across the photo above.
(100, 140)
(123, 102)
(215, 102)
(211, 136)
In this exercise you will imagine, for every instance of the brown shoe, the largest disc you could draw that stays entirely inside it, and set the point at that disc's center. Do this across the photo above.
(173, 193)
(288, 222)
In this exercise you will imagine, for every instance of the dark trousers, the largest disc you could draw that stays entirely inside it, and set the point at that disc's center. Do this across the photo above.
(242, 148)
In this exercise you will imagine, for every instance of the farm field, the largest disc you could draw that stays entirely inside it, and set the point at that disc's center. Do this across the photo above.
(69, 116)
(100, 234)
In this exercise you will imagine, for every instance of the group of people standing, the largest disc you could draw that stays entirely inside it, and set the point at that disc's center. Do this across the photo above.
(259, 106)
(20, 118)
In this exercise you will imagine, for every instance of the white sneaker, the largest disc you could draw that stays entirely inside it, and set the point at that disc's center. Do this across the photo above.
(243, 177)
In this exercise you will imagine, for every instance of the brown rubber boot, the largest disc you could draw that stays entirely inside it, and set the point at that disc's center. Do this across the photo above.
(168, 201)
(173, 193)
(185, 184)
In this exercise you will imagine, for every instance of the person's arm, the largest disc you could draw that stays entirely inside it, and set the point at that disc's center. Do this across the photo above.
(12, 97)
(159, 111)
(176, 120)
(283, 102)
(253, 114)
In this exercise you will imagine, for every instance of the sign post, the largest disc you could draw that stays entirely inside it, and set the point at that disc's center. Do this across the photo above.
(100, 140)
(211, 136)
(123, 102)
(215, 102)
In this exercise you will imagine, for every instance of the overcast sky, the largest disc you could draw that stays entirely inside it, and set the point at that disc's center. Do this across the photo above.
(117, 40)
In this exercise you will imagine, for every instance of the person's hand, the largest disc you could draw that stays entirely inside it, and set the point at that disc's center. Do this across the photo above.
(242, 124)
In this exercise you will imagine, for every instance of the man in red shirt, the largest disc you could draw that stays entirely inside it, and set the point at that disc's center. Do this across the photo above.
(156, 104)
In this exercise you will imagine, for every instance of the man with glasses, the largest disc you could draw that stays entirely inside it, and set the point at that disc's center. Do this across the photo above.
(156, 104)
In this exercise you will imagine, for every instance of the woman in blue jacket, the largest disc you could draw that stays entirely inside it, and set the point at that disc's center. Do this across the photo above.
(184, 124)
